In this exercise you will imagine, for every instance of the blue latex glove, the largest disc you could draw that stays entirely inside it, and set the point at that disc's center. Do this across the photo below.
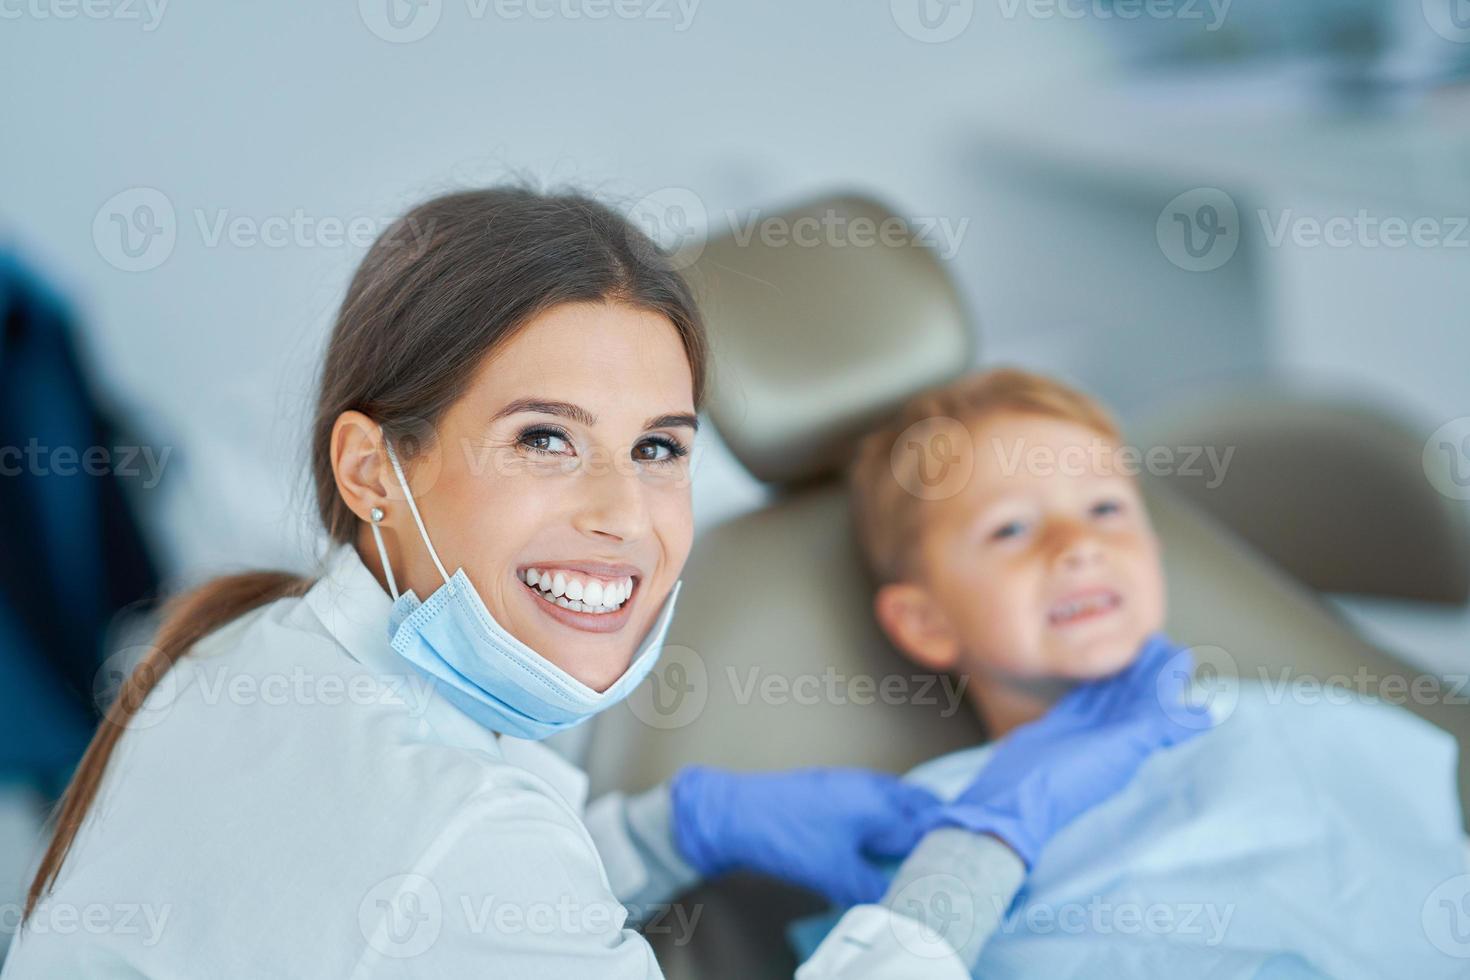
(1082, 751)
(823, 829)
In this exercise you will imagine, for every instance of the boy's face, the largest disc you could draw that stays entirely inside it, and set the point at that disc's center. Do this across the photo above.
(1044, 566)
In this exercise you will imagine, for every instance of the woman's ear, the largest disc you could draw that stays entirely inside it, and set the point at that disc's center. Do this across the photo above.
(357, 463)
(916, 624)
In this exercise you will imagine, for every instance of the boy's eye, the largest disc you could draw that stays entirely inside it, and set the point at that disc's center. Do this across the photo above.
(1007, 530)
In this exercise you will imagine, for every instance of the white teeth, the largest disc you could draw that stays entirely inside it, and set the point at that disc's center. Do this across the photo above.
(576, 594)
(1078, 607)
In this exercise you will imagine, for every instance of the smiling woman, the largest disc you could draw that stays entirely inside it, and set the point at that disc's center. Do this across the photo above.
(557, 321)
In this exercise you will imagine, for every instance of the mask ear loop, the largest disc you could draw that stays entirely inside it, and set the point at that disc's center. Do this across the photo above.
(377, 515)
(413, 509)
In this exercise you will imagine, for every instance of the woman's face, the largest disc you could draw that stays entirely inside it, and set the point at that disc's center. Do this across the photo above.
(559, 481)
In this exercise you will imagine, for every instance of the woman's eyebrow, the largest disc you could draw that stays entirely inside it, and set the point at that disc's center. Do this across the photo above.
(583, 417)
(673, 421)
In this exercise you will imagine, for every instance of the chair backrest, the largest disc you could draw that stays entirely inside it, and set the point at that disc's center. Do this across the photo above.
(1332, 490)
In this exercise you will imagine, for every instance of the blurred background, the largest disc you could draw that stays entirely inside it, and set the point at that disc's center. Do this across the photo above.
(1177, 204)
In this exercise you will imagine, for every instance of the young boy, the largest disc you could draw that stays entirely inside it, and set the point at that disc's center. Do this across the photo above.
(1002, 521)
(1031, 563)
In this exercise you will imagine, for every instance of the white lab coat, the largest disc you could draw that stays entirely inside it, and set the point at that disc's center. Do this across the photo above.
(294, 800)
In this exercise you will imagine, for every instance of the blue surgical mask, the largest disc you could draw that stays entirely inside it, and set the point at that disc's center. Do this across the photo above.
(481, 668)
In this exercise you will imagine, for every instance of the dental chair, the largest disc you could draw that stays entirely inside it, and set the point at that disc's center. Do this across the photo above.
(774, 660)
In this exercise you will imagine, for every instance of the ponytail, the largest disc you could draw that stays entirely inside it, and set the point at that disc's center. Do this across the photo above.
(187, 619)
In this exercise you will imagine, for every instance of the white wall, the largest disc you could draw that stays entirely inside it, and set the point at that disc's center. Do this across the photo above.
(263, 109)
(274, 109)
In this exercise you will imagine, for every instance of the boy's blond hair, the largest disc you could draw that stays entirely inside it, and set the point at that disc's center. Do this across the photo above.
(885, 513)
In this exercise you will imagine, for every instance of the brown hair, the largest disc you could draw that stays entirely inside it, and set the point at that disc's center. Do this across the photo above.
(441, 288)
(886, 516)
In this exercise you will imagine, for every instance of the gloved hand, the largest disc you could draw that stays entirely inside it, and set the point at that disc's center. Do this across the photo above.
(1082, 751)
(824, 829)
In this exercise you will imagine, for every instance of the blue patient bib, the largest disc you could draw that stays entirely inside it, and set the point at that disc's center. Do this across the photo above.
(1304, 836)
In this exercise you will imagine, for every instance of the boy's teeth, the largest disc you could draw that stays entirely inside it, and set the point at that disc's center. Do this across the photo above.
(578, 595)
(1088, 604)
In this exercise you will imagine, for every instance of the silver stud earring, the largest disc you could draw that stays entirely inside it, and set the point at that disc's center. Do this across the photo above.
(376, 514)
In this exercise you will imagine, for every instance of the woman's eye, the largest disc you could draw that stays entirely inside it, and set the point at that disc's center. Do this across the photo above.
(548, 441)
(1008, 530)
(1105, 507)
(659, 450)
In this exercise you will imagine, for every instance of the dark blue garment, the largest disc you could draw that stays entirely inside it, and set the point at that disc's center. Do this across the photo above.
(71, 553)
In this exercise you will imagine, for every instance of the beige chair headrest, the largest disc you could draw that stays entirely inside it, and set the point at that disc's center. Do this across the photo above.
(821, 323)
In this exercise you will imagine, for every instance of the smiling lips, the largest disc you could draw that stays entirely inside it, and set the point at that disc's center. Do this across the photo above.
(1083, 606)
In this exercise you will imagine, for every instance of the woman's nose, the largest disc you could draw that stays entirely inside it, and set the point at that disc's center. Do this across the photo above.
(612, 503)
